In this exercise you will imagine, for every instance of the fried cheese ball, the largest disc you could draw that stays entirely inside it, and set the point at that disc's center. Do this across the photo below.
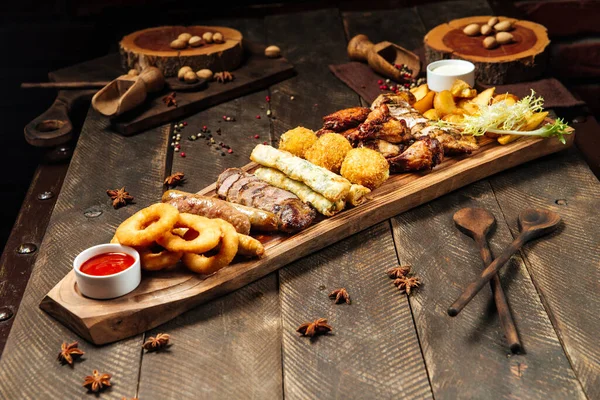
(297, 141)
(365, 167)
(329, 151)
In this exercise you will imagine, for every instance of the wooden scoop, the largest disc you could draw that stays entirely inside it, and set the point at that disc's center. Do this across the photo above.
(477, 223)
(383, 57)
(533, 223)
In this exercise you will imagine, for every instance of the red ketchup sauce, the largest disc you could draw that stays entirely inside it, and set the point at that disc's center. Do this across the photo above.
(107, 264)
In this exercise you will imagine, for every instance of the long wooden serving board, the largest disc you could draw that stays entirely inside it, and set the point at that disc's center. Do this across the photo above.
(163, 295)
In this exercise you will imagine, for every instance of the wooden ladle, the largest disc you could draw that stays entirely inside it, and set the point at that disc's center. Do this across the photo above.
(533, 223)
(477, 223)
(383, 57)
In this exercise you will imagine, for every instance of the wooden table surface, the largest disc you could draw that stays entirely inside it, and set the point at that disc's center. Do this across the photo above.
(385, 344)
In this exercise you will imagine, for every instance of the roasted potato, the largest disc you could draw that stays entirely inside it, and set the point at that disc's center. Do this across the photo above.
(431, 114)
(420, 91)
(444, 103)
(534, 120)
(484, 98)
(456, 118)
(425, 103)
(506, 139)
(510, 99)
(461, 89)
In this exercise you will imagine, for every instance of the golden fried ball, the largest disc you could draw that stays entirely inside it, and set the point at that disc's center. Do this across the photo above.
(297, 141)
(329, 151)
(365, 167)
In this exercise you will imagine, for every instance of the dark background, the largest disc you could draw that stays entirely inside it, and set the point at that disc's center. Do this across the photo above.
(42, 36)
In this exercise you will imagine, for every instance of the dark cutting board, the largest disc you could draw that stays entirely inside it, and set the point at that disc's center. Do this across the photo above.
(256, 72)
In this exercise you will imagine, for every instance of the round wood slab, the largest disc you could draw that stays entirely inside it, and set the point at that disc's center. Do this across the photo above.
(152, 47)
(524, 59)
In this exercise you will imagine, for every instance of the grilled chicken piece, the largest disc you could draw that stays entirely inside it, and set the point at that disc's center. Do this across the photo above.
(381, 125)
(422, 154)
(342, 120)
(239, 187)
(453, 142)
(348, 133)
(387, 149)
(393, 98)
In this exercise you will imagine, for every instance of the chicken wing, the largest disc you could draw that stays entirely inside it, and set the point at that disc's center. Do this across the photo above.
(453, 142)
(381, 125)
(387, 149)
(422, 154)
(345, 119)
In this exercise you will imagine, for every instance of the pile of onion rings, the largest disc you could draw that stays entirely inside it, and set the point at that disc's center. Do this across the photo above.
(163, 236)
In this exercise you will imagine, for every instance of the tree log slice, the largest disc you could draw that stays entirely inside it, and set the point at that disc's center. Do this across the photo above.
(152, 47)
(522, 60)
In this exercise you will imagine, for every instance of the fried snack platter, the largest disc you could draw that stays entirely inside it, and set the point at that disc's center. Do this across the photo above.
(163, 295)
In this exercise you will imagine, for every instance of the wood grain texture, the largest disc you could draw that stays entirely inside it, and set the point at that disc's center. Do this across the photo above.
(373, 351)
(102, 160)
(236, 338)
(565, 266)
(473, 342)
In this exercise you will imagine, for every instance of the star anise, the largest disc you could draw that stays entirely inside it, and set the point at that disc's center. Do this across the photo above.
(97, 381)
(119, 197)
(68, 352)
(223, 77)
(406, 283)
(317, 327)
(175, 179)
(170, 100)
(156, 343)
(340, 295)
(399, 271)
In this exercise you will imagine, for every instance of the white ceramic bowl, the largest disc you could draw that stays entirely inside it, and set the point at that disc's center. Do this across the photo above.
(442, 74)
(109, 286)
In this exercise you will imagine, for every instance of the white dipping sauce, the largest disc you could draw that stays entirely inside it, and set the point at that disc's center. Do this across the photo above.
(451, 69)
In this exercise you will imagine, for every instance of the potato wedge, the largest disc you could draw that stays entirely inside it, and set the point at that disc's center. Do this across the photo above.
(425, 103)
(461, 89)
(506, 139)
(461, 103)
(444, 103)
(534, 120)
(420, 91)
(510, 99)
(431, 114)
(483, 98)
(456, 118)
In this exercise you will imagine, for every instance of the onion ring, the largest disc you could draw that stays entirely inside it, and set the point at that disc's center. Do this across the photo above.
(154, 261)
(147, 225)
(227, 251)
(208, 238)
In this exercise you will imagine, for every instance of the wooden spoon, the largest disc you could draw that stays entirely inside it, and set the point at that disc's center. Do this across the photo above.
(533, 223)
(477, 223)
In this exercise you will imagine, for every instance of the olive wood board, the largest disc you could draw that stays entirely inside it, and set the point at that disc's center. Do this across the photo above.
(162, 296)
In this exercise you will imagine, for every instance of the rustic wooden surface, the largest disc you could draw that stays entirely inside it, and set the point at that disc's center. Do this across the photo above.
(383, 345)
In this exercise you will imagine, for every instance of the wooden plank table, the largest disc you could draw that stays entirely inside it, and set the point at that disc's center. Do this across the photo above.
(385, 345)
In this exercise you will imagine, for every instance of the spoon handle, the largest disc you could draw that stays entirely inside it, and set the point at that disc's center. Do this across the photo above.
(486, 275)
(506, 319)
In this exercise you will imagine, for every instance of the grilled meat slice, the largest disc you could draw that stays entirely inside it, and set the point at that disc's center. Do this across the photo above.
(387, 149)
(248, 190)
(453, 142)
(381, 125)
(422, 154)
(342, 120)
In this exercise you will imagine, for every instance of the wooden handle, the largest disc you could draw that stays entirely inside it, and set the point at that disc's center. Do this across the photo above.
(358, 48)
(51, 128)
(64, 85)
(487, 274)
(506, 320)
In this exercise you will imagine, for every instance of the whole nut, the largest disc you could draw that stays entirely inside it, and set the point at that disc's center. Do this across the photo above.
(503, 26)
(133, 72)
(205, 74)
(178, 44)
(471, 30)
(486, 30)
(195, 41)
(490, 42)
(218, 37)
(182, 71)
(184, 36)
(493, 21)
(272, 52)
(190, 77)
(504, 37)
(208, 37)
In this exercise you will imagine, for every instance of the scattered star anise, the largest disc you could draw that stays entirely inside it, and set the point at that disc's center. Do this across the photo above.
(340, 295)
(170, 100)
(156, 343)
(97, 381)
(399, 271)
(119, 197)
(175, 179)
(223, 77)
(68, 352)
(406, 283)
(317, 327)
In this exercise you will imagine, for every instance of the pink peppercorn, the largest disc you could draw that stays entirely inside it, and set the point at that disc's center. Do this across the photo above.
(256, 136)
(380, 82)
(224, 117)
(258, 117)
(384, 87)
(265, 143)
(185, 124)
(230, 151)
(268, 98)
(182, 154)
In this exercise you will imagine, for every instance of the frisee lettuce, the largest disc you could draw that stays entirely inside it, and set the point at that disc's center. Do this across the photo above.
(502, 118)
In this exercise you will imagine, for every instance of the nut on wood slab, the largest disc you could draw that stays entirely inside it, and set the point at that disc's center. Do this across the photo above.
(152, 47)
(182, 71)
(472, 30)
(195, 41)
(190, 77)
(382, 57)
(185, 37)
(490, 42)
(205, 74)
(523, 59)
(272, 52)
